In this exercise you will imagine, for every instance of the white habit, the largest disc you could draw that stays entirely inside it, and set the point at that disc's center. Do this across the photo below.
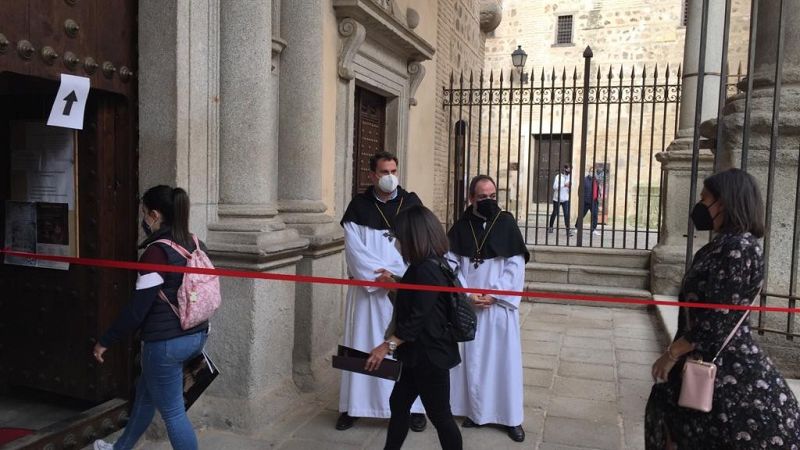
(487, 385)
(368, 312)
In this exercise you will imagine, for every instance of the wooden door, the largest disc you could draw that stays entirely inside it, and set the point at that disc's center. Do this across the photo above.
(551, 153)
(369, 135)
(50, 318)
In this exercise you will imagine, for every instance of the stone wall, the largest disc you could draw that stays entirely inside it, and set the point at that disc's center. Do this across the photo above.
(460, 47)
(632, 36)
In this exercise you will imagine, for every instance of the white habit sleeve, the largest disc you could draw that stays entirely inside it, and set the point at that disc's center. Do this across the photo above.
(361, 262)
(512, 279)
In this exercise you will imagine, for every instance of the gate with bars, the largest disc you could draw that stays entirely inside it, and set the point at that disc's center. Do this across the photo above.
(606, 123)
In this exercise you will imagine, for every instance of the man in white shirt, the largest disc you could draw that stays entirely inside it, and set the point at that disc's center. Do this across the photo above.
(561, 192)
(370, 253)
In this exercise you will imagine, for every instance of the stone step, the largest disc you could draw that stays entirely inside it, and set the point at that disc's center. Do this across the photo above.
(576, 289)
(589, 256)
(588, 275)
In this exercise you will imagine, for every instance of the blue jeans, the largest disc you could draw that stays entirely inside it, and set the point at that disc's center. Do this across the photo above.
(161, 387)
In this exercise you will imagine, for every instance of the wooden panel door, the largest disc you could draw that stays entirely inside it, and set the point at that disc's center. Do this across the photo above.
(369, 135)
(50, 318)
(551, 153)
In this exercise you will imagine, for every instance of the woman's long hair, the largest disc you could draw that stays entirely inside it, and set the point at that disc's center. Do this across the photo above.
(173, 204)
(420, 233)
(743, 206)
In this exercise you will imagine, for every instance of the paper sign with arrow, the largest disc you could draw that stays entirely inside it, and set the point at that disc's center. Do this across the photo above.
(70, 102)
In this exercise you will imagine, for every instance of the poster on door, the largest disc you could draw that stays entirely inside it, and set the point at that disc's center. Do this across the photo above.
(41, 214)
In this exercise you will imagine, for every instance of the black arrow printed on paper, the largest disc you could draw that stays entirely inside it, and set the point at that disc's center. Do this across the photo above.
(70, 99)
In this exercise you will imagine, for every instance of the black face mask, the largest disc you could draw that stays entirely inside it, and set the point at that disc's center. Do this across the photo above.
(488, 208)
(701, 217)
(146, 228)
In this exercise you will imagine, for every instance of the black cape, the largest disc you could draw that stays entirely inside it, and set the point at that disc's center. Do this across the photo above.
(362, 211)
(505, 240)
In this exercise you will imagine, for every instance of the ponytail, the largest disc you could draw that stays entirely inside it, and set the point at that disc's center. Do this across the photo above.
(180, 216)
(173, 204)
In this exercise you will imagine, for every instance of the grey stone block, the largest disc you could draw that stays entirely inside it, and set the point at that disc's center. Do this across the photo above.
(590, 410)
(610, 276)
(634, 356)
(598, 372)
(643, 345)
(591, 332)
(636, 333)
(588, 342)
(538, 335)
(591, 356)
(581, 433)
(540, 347)
(537, 397)
(634, 371)
(538, 377)
(321, 429)
(585, 389)
(534, 361)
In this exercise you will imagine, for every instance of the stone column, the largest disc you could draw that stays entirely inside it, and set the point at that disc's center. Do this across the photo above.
(301, 160)
(253, 332)
(668, 257)
(782, 204)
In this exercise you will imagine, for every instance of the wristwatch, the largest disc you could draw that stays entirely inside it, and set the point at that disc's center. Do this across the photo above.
(392, 346)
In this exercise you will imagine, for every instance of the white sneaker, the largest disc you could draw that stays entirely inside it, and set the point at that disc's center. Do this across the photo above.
(596, 233)
(102, 445)
(571, 232)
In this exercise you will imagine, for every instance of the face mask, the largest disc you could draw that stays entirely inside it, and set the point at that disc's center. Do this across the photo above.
(488, 208)
(701, 217)
(146, 228)
(388, 183)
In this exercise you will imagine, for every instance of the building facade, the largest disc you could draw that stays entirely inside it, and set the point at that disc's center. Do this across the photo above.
(267, 113)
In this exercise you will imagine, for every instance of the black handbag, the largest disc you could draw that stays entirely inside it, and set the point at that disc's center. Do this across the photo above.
(198, 373)
(462, 319)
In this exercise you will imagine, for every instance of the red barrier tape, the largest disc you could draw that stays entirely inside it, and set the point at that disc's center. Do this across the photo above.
(110, 264)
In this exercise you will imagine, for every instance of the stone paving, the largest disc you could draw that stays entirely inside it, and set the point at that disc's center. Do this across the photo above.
(587, 378)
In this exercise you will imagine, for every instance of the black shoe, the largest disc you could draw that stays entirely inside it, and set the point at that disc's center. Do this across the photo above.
(468, 423)
(418, 422)
(517, 434)
(345, 421)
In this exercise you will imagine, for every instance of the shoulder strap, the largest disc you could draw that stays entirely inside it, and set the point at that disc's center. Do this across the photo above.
(739, 324)
(175, 246)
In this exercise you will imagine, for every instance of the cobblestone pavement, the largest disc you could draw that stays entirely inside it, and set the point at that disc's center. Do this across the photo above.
(586, 383)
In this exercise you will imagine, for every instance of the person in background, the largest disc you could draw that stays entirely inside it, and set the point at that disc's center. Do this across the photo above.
(490, 253)
(561, 191)
(591, 191)
(753, 407)
(422, 339)
(370, 253)
(165, 345)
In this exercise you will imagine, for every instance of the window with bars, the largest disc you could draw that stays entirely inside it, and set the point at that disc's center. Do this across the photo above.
(564, 30)
(685, 13)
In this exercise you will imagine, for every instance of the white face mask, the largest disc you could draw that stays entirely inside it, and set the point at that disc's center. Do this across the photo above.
(388, 183)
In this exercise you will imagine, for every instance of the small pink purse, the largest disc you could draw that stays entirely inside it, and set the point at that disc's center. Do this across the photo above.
(697, 387)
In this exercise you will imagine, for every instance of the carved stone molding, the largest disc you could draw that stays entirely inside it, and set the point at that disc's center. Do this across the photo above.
(354, 35)
(491, 15)
(416, 72)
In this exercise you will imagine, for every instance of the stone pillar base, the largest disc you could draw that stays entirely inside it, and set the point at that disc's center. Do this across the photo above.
(318, 307)
(668, 258)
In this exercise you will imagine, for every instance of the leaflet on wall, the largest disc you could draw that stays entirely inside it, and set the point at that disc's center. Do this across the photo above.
(43, 174)
(37, 228)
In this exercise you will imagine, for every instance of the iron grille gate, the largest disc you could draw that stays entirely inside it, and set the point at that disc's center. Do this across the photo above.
(522, 132)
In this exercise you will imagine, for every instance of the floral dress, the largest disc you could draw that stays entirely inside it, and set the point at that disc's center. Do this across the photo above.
(753, 406)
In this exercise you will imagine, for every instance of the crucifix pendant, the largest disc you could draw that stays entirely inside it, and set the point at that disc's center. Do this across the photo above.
(477, 260)
(389, 235)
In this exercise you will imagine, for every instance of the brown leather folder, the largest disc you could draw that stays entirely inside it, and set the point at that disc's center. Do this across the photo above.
(354, 360)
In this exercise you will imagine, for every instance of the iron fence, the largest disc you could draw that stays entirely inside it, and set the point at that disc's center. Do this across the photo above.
(521, 130)
(780, 284)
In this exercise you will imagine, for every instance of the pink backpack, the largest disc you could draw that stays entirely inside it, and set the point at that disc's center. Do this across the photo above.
(199, 294)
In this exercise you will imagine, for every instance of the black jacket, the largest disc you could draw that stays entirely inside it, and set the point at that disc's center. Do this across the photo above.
(146, 311)
(421, 319)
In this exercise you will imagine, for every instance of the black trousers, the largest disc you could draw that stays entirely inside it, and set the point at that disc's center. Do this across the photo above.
(554, 214)
(432, 385)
